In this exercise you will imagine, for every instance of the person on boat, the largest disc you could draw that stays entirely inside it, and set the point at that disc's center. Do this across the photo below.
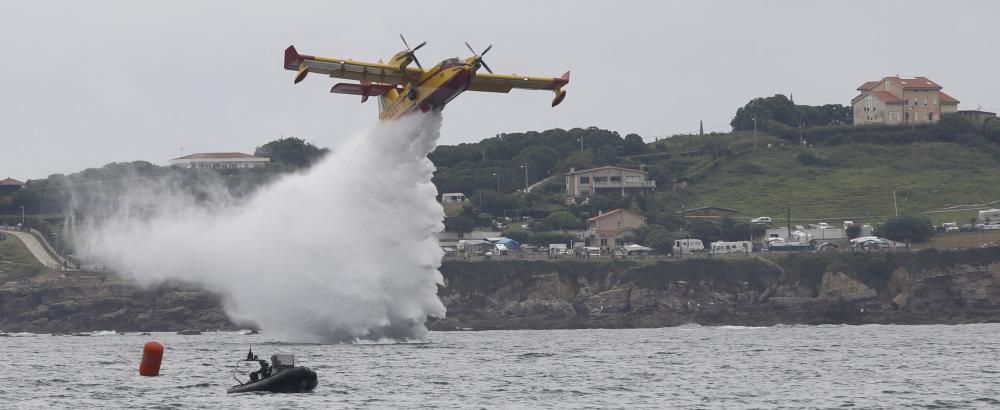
(263, 373)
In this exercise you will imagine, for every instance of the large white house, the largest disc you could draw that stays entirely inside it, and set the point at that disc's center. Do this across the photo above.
(220, 160)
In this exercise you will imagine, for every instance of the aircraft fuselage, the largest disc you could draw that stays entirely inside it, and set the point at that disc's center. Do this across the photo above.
(432, 91)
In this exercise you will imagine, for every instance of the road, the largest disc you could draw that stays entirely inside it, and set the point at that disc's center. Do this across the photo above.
(36, 248)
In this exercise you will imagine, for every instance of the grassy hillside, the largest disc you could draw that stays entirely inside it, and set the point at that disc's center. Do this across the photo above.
(853, 181)
(16, 262)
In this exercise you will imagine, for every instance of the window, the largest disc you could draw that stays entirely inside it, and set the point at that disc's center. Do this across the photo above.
(907, 101)
(925, 101)
(600, 179)
(616, 179)
(907, 116)
(584, 180)
(930, 116)
(604, 242)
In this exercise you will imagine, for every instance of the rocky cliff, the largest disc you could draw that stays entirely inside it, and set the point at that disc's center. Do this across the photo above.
(77, 302)
(907, 288)
(855, 288)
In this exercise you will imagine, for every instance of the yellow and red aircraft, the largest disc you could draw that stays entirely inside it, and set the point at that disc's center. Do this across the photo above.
(402, 88)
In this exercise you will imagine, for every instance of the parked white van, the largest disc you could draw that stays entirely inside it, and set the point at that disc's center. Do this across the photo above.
(687, 246)
(720, 247)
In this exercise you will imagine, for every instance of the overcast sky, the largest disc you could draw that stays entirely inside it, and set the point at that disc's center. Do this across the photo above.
(83, 84)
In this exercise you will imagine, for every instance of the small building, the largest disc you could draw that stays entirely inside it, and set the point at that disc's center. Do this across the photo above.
(9, 185)
(901, 101)
(220, 160)
(453, 203)
(977, 117)
(613, 228)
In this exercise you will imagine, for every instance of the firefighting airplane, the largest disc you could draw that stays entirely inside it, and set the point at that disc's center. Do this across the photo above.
(402, 88)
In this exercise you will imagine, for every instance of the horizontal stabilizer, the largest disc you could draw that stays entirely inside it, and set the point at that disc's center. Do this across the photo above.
(365, 90)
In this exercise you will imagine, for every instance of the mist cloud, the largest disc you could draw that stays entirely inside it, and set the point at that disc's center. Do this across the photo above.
(341, 252)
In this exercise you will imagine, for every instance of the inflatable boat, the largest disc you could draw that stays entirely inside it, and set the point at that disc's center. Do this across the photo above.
(280, 376)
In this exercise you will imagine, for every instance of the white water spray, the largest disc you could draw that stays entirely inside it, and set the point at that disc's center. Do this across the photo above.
(344, 251)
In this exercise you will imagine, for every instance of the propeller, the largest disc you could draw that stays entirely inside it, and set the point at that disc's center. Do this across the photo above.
(479, 57)
(411, 52)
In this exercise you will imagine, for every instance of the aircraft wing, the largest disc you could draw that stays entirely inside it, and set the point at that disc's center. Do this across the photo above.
(346, 68)
(502, 83)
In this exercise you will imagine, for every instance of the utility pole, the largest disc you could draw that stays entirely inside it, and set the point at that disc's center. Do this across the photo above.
(894, 207)
(701, 127)
(22, 217)
(525, 179)
(581, 143)
(755, 132)
(800, 133)
(789, 220)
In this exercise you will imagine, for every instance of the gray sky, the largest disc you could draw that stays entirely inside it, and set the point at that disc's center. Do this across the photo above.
(87, 83)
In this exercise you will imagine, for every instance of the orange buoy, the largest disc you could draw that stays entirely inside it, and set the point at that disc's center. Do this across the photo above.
(152, 355)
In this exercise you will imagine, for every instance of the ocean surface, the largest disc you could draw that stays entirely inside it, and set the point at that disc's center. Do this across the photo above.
(682, 367)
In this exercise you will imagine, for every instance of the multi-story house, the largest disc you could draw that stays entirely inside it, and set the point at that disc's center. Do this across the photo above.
(608, 180)
(901, 101)
(613, 228)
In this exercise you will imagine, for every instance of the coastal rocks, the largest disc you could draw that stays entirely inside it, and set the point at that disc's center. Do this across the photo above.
(837, 285)
(82, 303)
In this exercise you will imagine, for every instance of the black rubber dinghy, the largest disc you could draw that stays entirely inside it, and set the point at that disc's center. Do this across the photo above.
(294, 380)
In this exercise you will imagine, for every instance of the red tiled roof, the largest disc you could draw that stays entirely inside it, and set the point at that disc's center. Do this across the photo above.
(609, 213)
(868, 85)
(605, 167)
(917, 82)
(218, 155)
(887, 97)
(10, 182)
(947, 99)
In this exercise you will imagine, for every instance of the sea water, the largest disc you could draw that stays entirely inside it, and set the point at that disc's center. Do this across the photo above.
(682, 367)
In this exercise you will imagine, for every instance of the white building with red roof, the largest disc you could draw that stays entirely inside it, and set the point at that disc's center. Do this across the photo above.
(614, 228)
(10, 185)
(901, 101)
(220, 160)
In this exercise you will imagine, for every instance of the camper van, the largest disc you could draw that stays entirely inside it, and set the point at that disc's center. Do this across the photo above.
(989, 216)
(720, 248)
(688, 246)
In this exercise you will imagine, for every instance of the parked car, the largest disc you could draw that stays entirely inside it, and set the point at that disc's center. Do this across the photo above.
(950, 227)
(823, 225)
(766, 220)
(967, 228)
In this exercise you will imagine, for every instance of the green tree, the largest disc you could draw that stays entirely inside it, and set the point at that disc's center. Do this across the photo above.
(906, 229)
(562, 220)
(633, 145)
(853, 231)
(607, 154)
(656, 237)
(292, 152)
(705, 230)
(459, 224)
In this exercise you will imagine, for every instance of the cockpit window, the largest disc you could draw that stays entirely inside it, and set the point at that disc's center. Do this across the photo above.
(455, 60)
